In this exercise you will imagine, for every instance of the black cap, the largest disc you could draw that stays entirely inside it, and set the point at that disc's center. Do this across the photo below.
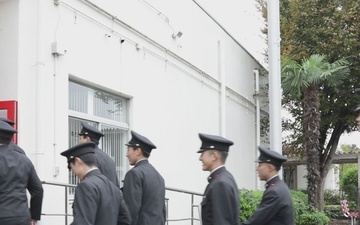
(10, 122)
(213, 142)
(6, 131)
(140, 141)
(79, 150)
(90, 131)
(270, 156)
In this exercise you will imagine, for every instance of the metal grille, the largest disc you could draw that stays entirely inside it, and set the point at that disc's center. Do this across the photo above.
(113, 144)
(108, 106)
(96, 103)
(78, 97)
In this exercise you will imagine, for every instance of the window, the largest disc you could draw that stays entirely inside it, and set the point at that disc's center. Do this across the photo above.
(105, 111)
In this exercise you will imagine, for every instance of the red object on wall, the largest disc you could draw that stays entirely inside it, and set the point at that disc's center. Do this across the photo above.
(8, 109)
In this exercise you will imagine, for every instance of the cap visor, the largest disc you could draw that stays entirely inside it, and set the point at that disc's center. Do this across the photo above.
(258, 161)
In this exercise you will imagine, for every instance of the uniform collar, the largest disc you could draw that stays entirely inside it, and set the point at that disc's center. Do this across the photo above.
(141, 161)
(216, 172)
(272, 181)
(91, 172)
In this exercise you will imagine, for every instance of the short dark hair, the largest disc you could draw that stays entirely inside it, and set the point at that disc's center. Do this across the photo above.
(91, 139)
(277, 167)
(223, 155)
(145, 153)
(5, 140)
(89, 159)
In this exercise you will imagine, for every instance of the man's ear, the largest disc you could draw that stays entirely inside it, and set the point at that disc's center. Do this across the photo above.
(77, 160)
(215, 155)
(271, 167)
(138, 151)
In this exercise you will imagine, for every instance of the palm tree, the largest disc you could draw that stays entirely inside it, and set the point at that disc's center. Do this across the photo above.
(303, 83)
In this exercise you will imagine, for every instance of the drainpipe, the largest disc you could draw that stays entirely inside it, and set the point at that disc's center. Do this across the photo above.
(56, 53)
(221, 71)
(39, 110)
(257, 121)
(274, 76)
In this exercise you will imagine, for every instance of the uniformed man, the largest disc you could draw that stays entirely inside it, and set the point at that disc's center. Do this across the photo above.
(105, 164)
(97, 200)
(220, 204)
(12, 145)
(144, 187)
(17, 174)
(276, 207)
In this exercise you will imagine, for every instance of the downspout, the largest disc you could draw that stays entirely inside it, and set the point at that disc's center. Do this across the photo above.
(221, 71)
(56, 56)
(39, 88)
(274, 75)
(257, 121)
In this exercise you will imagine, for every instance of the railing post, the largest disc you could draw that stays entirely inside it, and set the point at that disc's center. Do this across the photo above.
(66, 205)
(192, 209)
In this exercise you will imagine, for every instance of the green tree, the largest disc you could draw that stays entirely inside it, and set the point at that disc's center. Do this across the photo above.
(349, 184)
(302, 84)
(347, 149)
(328, 27)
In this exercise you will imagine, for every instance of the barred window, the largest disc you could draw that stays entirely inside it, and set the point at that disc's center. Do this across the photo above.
(105, 111)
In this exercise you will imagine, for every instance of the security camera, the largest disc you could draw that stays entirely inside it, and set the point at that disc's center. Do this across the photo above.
(122, 40)
(177, 34)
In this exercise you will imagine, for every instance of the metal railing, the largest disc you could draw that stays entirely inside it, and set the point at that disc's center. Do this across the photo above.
(68, 214)
(192, 206)
(66, 203)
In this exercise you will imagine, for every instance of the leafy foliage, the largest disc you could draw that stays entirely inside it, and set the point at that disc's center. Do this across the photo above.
(349, 184)
(301, 83)
(249, 201)
(314, 218)
(303, 212)
(327, 28)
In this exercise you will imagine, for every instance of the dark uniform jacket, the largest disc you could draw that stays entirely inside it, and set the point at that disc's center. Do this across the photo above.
(276, 206)
(220, 204)
(106, 166)
(144, 194)
(15, 147)
(99, 202)
(17, 174)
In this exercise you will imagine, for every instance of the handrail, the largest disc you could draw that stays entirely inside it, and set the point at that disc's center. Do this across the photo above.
(67, 214)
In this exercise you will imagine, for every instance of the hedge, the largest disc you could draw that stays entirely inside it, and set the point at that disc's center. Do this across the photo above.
(304, 214)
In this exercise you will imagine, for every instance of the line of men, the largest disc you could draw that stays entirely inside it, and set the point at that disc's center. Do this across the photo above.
(98, 199)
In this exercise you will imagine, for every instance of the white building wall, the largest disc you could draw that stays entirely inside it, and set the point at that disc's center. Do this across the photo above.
(331, 183)
(173, 84)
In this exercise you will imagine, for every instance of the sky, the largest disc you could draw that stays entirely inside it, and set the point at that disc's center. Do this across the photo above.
(243, 21)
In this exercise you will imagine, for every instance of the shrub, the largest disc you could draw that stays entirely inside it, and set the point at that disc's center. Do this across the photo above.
(348, 183)
(304, 214)
(249, 201)
(313, 218)
(300, 203)
(332, 197)
(333, 211)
